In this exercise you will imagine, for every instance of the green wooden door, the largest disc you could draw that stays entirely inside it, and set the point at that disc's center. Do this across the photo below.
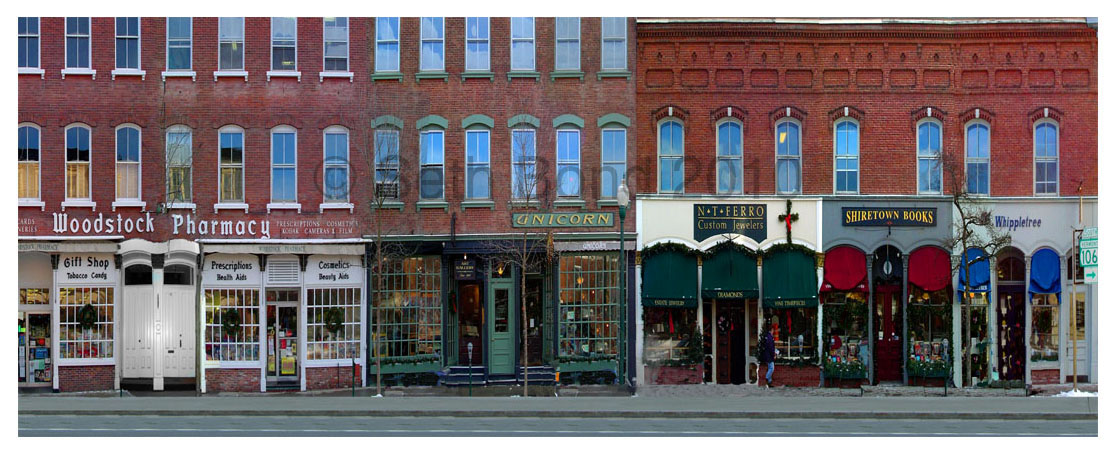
(501, 328)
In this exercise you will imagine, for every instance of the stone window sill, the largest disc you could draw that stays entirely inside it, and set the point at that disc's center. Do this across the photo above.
(396, 76)
(567, 74)
(478, 204)
(182, 206)
(284, 206)
(336, 206)
(569, 203)
(180, 73)
(609, 74)
(230, 206)
(322, 76)
(478, 75)
(79, 204)
(129, 72)
(79, 72)
(523, 75)
(296, 74)
(33, 71)
(129, 204)
(429, 75)
(243, 74)
(430, 205)
(388, 205)
(33, 204)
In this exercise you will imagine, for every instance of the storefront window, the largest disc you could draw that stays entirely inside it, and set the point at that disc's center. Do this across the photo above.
(407, 310)
(85, 322)
(587, 304)
(671, 336)
(333, 323)
(795, 332)
(845, 315)
(975, 338)
(34, 296)
(1044, 327)
(232, 325)
(930, 323)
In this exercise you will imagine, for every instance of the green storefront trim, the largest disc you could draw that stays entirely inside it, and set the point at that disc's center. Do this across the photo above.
(403, 368)
(729, 274)
(670, 280)
(790, 280)
(586, 366)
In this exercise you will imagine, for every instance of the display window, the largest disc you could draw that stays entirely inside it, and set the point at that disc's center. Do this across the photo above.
(795, 331)
(333, 323)
(671, 336)
(86, 322)
(845, 316)
(232, 325)
(1044, 327)
(976, 343)
(407, 309)
(588, 312)
(930, 321)
(35, 296)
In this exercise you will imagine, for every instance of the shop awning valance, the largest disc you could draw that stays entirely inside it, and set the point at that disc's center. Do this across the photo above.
(1046, 273)
(790, 280)
(729, 273)
(977, 262)
(845, 270)
(670, 280)
(929, 269)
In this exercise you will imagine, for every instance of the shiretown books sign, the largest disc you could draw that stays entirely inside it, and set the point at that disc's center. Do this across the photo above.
(889, 217)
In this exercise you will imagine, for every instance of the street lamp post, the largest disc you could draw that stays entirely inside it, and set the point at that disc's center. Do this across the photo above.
(622, 198)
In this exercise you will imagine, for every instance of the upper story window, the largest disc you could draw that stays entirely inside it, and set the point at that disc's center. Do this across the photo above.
(387, 164)
(976, 158)
(476, 44)
(231, 182)
(180, 161)
(1046, 158)
(929, 157)
(614, 43)
(127, 162)
(567, 46)
(614, 146)
(431, 162)
(127, 43)
(284, 39)
(335, 38)
(336, 164)
(387, 44)
(28, 162)
(846, 156)
(523, 44)
(77, 163)
(477, 164)
(788, 157)
(231, 44)
(671, 156)
(77, 42)
(432, 56)
(730, 158)
(284, 161)
(180, 39)
(524, 160)
(569, 163)
(28, 42)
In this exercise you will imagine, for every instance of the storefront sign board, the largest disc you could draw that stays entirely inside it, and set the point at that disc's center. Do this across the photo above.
(889, 217)
(235, 270)
(562, 220)
(88, 269)
(465, 270)
(333, 270)
(748, 219)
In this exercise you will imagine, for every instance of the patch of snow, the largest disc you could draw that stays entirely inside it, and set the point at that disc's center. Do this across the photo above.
(1078, 393)
(378, 395)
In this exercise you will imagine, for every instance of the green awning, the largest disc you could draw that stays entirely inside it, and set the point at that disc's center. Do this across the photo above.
(730, 273)
(670, 280)
(790, 280)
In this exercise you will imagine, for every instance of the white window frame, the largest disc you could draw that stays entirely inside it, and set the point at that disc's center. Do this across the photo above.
(424, 39)
(798, 157)
(534, 164)
(243, 69)
(347, 202)
(271, 49)
(348, 53)
(511, 46)
(1036, 159)
(487, 42)
(77, 70)
(986, 161)
(488, 164)
(919, 157)
(139, 42)
(717, 153)
(558, 163)
(66, 196)
(837, 158)
(557, 40)
(186, 202)
(178, 72)
(284, 204)
(605, 162)
(37, 69)
(623, 39)
(398, 31)
(139, 167)
(232, 204)
(441, 166)
(659, 155)
(36, 201)
(377, 163)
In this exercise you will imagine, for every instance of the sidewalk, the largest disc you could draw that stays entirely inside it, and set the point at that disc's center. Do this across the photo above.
(600, 407)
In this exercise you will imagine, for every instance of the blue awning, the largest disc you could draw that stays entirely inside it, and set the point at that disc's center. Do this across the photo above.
(1046, 273)
(981, 273)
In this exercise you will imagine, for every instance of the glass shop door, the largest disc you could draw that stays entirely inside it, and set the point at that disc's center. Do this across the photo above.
(282, 343)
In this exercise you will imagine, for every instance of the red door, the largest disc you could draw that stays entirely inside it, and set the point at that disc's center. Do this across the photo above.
(889, 327)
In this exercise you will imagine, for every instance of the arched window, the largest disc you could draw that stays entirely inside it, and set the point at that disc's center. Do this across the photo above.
(929, 157)
(336, 165)
(284, 165)
(1046, 158)
(846, 156)
(178, 275)
(137, 275)
(788, 157)
(231, 159)
(28, 151)
(127, 162)
(976, 158)
(671, 155)
(180, 160)
(730, 158)
(77, 162)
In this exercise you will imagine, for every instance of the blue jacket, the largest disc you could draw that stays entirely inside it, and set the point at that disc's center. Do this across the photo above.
(767, 355)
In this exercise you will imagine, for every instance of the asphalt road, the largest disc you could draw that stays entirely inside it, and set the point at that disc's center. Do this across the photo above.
(318, 426)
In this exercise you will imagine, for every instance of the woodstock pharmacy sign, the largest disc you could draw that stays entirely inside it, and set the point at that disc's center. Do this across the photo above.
(181, 225)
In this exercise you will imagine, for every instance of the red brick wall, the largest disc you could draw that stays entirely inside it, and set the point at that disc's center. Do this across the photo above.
(232, 380)
(889, 73)
(664, 375)
(1045, 377)
(331, 377)
(86, 378)
(797, 376)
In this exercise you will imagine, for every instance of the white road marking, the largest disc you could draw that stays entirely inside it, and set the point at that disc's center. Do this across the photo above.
(583, 432)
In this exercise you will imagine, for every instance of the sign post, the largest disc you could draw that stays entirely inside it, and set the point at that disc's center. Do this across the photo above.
(1087, 247)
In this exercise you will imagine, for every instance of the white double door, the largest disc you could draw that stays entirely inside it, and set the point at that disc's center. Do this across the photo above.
(159, 336)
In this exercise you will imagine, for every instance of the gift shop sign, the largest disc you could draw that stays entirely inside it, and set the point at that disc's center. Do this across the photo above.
(86, 269)
(231, 269)
(333, 270)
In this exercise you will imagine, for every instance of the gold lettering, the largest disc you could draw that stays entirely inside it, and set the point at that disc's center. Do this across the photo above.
(536, 219)
(590, 219)
(563, 219)
(521, 219)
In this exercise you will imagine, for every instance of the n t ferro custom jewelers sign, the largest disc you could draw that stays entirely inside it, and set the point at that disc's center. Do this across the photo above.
(889, 217)
(562, 220)
(748, 219)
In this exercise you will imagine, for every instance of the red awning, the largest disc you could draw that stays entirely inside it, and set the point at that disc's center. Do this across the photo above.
(929, 268)
(845, 270)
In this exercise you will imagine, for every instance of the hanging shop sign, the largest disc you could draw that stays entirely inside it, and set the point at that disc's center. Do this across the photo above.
(562, 220)
(231, 269)
(86, 269)
(332, 270)
(465, 270)
(889, 217)
(748, 219)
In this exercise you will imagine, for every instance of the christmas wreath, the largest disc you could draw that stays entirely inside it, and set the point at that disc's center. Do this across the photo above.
(87, 316)
(334, 319)
(230, 321)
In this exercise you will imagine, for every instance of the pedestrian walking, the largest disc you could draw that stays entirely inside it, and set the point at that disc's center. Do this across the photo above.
(767, 352)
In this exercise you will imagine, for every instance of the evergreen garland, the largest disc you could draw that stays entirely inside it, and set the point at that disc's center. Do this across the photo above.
(732, 246)
(669, 246)
(785, 247)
